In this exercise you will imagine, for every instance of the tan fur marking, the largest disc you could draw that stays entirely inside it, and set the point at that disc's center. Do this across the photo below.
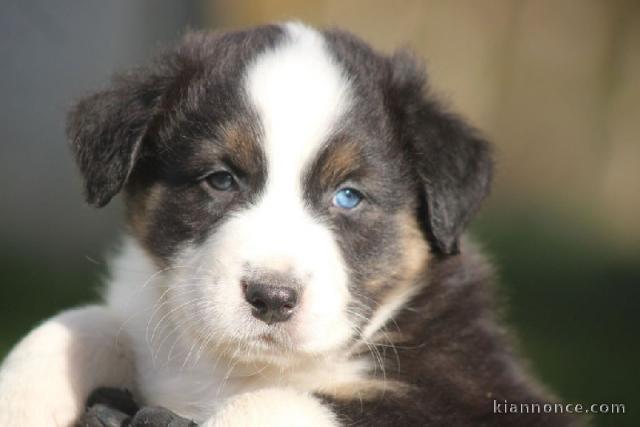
(414, 258)
(338, 161)
(366, 389)
(242, 147)
(397, 285)
(139, 205)
(415, 248)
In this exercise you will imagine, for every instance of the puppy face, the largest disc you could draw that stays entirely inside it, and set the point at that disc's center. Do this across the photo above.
(281, 178)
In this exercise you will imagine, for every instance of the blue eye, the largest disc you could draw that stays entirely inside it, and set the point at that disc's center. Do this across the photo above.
(222, 181)
(347, 198)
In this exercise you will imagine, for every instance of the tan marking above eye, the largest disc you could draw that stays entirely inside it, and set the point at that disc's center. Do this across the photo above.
(339, 160)
(242, 147)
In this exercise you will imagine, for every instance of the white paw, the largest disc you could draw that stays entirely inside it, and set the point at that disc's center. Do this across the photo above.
(272, 407)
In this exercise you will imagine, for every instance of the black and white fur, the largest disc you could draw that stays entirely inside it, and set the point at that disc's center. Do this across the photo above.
(393, 322)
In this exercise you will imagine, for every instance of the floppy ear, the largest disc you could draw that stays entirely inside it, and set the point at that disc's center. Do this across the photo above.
(106, 131)
(452, 161)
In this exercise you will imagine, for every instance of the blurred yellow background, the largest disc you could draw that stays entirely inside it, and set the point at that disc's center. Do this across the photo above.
(555, 85)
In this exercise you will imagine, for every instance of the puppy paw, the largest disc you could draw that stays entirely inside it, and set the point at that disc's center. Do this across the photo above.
(104, 416)
(274, 407)
(110, 407)
(115, 398)
(152, 416)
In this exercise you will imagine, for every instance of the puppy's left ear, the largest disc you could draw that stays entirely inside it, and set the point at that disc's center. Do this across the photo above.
(106, 131)
(452, 162)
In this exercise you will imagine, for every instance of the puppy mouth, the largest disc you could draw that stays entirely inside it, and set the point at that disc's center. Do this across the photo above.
(276, 337)
(270, 339)
(267, 347)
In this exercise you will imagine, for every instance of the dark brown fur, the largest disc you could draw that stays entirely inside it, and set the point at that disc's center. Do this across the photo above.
(455, 359)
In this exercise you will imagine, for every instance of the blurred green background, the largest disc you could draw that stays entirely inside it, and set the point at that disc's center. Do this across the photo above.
(554, 84)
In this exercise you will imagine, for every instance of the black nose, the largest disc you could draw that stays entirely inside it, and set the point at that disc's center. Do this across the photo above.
(271, 304)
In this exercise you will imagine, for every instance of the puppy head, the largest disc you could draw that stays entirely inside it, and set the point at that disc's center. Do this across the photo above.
(290, 182)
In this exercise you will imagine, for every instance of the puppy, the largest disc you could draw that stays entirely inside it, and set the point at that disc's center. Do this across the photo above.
(295, 202)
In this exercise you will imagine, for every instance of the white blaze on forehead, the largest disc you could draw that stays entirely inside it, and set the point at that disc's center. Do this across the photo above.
(299, 93)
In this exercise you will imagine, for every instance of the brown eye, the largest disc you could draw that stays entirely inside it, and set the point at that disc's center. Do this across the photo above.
(221, 181)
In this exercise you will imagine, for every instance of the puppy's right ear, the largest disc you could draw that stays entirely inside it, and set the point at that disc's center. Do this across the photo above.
(452, 162)
(106, 131)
